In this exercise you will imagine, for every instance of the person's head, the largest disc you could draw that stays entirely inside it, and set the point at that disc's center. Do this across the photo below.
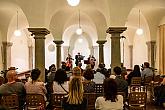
(60, 76)
(11, 75)
(35, 74)
(146, 65)
(136, 68)
(121, 64)
(75, 95)
(79, 64)
(88, 74)
(76, 71)
(52, 67)
(110, 89)
(101, 65)
(117, 70)
(78, 53)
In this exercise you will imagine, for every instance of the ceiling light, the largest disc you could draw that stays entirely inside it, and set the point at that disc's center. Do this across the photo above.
(17, 32)
(73, 2)
(79, 29)
(139, 31)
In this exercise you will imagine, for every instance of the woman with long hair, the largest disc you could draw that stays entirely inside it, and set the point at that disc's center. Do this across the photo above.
(75, 100)
(135, 73)
(36, 86)
(110, 100)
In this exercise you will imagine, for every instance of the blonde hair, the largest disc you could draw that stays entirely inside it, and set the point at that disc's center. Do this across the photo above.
(75, 95)
(77, 71)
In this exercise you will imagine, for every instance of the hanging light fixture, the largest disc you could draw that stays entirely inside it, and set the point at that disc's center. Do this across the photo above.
(17, 32)
(73, 2)
(79, 30)
(139, 31)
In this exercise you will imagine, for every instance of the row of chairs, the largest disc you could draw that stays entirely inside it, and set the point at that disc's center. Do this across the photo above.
(36, 101)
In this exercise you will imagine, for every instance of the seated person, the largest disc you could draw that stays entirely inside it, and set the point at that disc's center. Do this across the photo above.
(60, 84)
(89, 86)
(75, 99)
(35, 86)
(12, 87)
(135, 73)
(159, 93)
(99, 76)
(122, 85)
(110, 100)
(146, 71)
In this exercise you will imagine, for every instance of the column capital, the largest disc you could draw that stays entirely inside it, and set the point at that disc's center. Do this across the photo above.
(58, 42)
(151, 42)
(111, 30)
(101, 41)
(39, 31)
(7, 43)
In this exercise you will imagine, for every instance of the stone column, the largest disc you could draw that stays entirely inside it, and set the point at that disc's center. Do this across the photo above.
(30, 57)
(151, 52)
(131, 55)
(101, 50)
(39, 36)
(115, 45)
(58, 53)
(6, 54)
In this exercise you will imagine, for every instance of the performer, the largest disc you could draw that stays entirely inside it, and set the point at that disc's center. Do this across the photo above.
(78, 58)
(69, 62)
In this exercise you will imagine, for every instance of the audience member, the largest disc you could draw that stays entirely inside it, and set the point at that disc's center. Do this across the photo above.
(122, 84)
(76, 72)
(146, 71)
(60, 84)
(75, 99)
(110, 100)
(34, 86)
(159, 93)
(103, 70)
(123, 71)
(89, 86)
(99, 75)
(135, 73)
(13, 87)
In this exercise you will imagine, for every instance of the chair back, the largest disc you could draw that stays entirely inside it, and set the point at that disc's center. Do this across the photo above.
(98, 88)
(91, 99)
(137, 99)
(11, 101)
(147, 80)
(136, 81)
(135, 84)
(34, 101)
(56, 100)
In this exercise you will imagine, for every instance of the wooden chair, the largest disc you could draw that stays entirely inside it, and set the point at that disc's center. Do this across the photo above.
(147, 82)
(135, 84)
(98, 88)
(56, 100)
(137, 100)
(35, 101)
(91, 99)
(11, 101)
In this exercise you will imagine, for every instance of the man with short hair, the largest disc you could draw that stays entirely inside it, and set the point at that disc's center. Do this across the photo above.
(146, 72)
(13, 87)
(122, 85)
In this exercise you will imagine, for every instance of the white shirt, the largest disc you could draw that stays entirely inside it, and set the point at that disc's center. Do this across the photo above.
(101, 104)
(58, 89)
(98, 78)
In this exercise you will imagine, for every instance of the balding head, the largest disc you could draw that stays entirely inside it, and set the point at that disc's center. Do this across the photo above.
(11, 75)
